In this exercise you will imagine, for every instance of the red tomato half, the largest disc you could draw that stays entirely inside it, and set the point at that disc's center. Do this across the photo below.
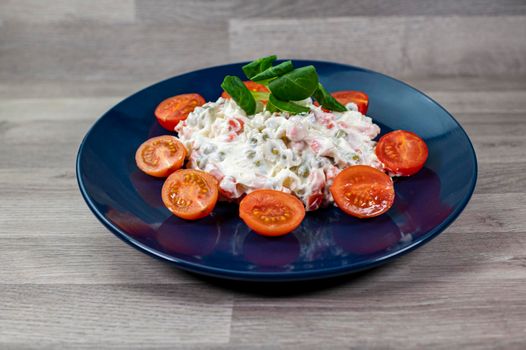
(160, 156)
(271, 213)
(174, 109)
(402, 152)
(363, 191)
(359, 98)
(190, 194)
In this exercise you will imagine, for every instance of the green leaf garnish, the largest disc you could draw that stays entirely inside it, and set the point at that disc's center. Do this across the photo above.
(287, 86)
(257, 66)
(327, 101)
(270, 107)
(274, 72)
(240, 93)
(295, 85)
(286, 106)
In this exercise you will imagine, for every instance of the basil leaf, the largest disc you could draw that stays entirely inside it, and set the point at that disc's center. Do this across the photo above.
(266, 81)
(286, 106)
(295, 85)
(271, 108)
(255, 67)
(240, 93)
(327, 101)
(273, 72)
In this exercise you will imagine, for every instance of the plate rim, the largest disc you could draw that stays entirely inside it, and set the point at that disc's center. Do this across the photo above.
(280, 276)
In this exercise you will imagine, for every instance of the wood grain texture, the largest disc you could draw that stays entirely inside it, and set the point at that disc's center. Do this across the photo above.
(96, 51)
(379, 314)
(395, 45)
(122, 316)
(168, 10)
(34, 11)
(66, 282)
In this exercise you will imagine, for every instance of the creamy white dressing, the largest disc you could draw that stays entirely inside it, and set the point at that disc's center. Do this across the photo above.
(299, 154)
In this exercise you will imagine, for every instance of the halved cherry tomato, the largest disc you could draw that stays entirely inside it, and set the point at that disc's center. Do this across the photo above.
(160, 156)
(402, 152)
(252, 86)
(363, 191)
(190, 194)
(174, 109)
(357, 97)
(271, 213)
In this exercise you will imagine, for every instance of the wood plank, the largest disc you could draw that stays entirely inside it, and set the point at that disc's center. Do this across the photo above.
(481, 101)
(24, 110)
(166, 10)
(69, 258)
(489, 120)
(498, 149)
(367, 314)
(67, 214)
(121, 316)
(400, 46)
(502, 177)
(99, 51)
(32, 88)
(34, 11)
(452, 84)
(493, 213)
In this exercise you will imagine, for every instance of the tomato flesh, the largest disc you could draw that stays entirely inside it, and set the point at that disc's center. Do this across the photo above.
(403, 153)
(271, 213)
(360, 99)
(160, 156)
(174, 109)
(190, 194)
(363, 191)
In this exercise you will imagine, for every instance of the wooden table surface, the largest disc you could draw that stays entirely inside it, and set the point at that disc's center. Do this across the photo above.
(67, 282)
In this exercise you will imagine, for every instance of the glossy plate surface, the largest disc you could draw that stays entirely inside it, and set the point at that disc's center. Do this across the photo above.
(328, 242)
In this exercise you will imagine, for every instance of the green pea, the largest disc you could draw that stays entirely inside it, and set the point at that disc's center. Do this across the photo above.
(304, 172)
(340, 133)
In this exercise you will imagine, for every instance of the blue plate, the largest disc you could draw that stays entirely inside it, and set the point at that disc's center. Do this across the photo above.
(328, 242)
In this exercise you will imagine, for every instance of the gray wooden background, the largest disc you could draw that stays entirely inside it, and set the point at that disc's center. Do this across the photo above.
(66, 282)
